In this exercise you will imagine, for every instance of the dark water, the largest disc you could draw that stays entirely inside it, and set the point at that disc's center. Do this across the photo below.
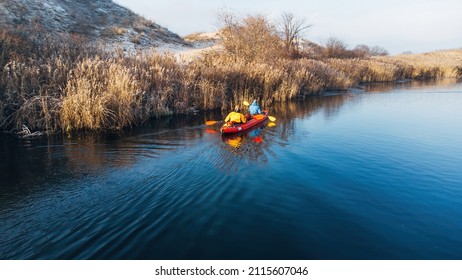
(375, 173)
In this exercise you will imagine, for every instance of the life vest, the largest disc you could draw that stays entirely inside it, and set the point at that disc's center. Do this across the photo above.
(235, 117)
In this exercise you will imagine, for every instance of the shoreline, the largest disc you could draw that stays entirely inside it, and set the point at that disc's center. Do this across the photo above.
(68, 88)
(357, 89)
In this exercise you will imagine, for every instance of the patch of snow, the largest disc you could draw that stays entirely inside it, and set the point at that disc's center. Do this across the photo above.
(186, 54)
(102, 11)
(55, 8)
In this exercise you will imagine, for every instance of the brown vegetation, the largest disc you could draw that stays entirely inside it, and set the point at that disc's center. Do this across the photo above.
(53, 84)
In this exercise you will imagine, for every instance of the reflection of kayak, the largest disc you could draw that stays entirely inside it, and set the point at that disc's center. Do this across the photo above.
(254, 121)
(234, 140)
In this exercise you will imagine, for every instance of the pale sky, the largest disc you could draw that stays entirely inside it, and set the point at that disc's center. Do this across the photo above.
(396, 25)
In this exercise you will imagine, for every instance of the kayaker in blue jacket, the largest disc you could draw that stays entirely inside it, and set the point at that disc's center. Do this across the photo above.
(254, 108)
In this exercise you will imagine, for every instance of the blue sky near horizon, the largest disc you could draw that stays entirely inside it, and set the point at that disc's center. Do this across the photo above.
(396, 25)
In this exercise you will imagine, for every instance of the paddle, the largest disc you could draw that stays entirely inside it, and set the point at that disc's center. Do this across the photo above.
(211, 122)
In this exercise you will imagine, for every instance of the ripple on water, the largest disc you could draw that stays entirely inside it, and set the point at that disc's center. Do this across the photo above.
(324, 171)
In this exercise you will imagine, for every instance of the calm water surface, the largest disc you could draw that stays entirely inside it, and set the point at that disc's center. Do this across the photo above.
(374, 173)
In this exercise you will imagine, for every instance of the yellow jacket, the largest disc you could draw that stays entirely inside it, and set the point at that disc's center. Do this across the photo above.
(235, 117)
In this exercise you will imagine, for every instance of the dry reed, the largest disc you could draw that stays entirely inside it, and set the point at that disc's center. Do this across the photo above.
(62, 86)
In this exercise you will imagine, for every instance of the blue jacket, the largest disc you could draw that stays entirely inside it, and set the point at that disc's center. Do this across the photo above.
(254, 108)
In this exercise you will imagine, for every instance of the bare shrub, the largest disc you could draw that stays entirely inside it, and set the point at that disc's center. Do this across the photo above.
(253, 38)
(365, 51)
(378, 51)
(335, 48)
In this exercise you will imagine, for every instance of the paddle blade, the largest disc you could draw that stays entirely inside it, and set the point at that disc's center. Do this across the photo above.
(210, 122)
(271, 118)
(245, 103)
(271, 124)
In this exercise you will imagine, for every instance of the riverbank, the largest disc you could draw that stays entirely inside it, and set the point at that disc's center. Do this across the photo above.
(62, 86)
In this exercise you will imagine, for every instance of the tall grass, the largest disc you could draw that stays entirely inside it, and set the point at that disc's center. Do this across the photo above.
(100, 94)
(438, 64)
(435, 65)
(34, 67)
(31, 93)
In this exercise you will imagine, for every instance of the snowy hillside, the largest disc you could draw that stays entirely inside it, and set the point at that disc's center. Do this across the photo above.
(102, 21)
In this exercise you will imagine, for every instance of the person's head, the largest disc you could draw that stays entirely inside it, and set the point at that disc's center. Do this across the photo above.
(236, 108)
(254, 101)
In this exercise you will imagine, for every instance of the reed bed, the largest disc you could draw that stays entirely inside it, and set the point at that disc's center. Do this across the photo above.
(435, 65)
(100, 94)
(438, 64)
(64, 87)
(31, 94)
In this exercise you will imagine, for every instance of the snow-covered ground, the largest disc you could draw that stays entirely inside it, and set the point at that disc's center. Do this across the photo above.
(105, 24)
(187, 53)
(204, 42)
(184, 53)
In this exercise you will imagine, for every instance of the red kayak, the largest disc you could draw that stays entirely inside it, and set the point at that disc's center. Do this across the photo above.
(255, 120)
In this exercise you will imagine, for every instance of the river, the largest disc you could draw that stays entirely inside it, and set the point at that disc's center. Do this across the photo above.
(373, 173)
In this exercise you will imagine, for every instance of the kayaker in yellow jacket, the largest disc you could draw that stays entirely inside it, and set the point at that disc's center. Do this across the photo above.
(235, 117)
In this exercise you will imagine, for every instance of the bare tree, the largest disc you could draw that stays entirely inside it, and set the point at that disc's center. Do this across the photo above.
(291, 31)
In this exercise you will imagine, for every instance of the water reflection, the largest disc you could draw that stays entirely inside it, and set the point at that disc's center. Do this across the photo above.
(247, 146)
(176, 188)
(35, 166)
(255, 145)
(288, 112)
(27, 164)
(236, 140)
(408, 84)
